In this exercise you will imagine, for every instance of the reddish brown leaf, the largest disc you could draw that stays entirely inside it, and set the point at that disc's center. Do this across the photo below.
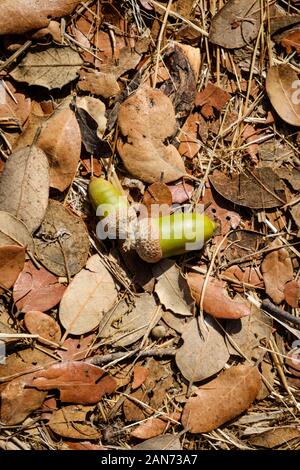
(139, 376)
(38, 323)
(291, 40)
(222, 399)
(77, 382)
(277, 270)
(77, 348)
(248, 275)
(189, 137)
(12, 259)
(37, 289)
(154, 426)
(292, 293)
(158, 194)
(98, 83)
(84, 445)
(216, 300)
(212, 95)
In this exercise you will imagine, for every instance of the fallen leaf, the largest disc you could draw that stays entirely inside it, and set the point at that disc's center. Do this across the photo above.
(236, 24)
(88, 297)
(292, 293)
(77, 348)
(259, 188)
(154, 426)
(166, 442)
(282, 85)
(14, 106)
(249, 336)
(26, 171)
(158, 199)
(204, 351)
(172, 288)
(268, 375)
(291, 40)
(216, 300)
(189, 138)
(128, 324)
(71, 421)
(277, 270)
(221, 399)
(146, 120)
(176, 322)
(139, 376)
(213, 96)
(181, 192)
(36, 289)
(18, 401)
(78, 382)
(50, 68)
(244, 244)
(275, 437)
(98, 83)
(84, 445)
(62, 242)
(248, 275)
(38, 323)
(60, 139)
(20, 16)
(12, 259)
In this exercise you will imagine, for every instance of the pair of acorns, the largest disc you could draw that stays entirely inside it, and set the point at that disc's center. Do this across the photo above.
(153, 238)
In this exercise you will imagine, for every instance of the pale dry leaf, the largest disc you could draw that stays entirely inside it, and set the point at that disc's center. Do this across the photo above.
(282, 85)
(36, 289)
(21, 16)
(99, 83)
(27, 172)
(14, 232)
(62, 242)
(77, 382)
(12, 259)
(275, 437)
(172, 288)
(146, 120)
(236, 24)
(222, 399)
(204, 351)
(128, 324)
(216, 300)
(60, 139)
(90, 295)
(166, 442)
(50, 68)
(38, 323)
(96, 109)
(277, 270)
(71, 421)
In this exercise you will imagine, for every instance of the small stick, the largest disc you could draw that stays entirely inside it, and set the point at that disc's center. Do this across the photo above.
(278, 312)
(99, 360)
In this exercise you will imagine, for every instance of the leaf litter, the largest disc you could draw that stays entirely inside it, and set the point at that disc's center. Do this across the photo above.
(192, 105)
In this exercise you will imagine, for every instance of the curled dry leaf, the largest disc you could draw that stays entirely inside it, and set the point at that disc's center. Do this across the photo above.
(260, 188)
(90, 295)
(236, 24)
(38, 323)
(291, 40)
(18, 400)
(12, 259)
(72, 421)
(36, 289)
(292, 293)
(222, 399)
(204, 351)
(216, 301)
(62, 242)
(78, 382)
(60, 139)
(146, 120)
(127, 324)
(20, 16)
(172, 288)
(26, 171)
(282, 85)
(52, 67)
(277, 270)
(90, 114)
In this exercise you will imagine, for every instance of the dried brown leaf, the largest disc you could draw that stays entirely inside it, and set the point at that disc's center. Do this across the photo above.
(216, 301)
(91, 293)
(36, 289)
(212, 95)
(222, 399)
(275, 437)
(62, 242)
(78, 382)
(146, 120)
(292, 293)
(158, 194)
(20, 16)
(277, 270)
(154, 426)
(99, 83)
(38, 323)
(166, 442)
(71, 421)
(204, 351)
(26, 171)
(52, 67)
(12, 259)
(139, 376)
(189, 138)
(282, 86)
